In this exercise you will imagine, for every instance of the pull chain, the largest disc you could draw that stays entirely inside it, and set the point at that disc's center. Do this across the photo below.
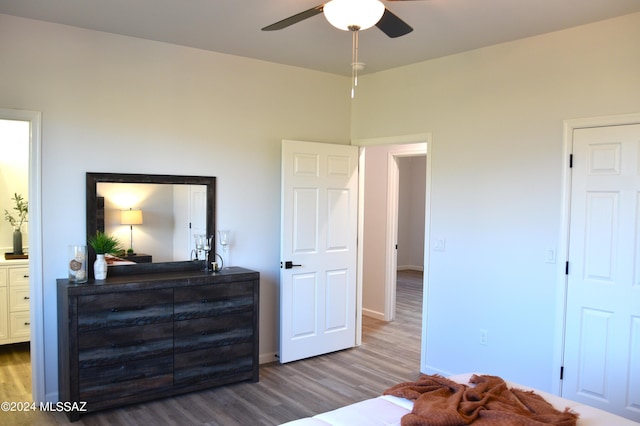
(354, 59)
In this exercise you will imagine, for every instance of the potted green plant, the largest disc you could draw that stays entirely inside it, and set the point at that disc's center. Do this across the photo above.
(22, 209)
(103, 244)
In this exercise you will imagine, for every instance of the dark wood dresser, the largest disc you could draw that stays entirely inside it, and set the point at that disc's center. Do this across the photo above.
(135, 338)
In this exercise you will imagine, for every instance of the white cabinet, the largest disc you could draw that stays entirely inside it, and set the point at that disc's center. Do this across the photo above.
(15, 323)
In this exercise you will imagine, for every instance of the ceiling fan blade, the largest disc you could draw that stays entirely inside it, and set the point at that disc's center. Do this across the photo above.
(393, 26)
(294, 19)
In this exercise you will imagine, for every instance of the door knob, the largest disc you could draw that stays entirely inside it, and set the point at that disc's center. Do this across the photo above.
(288, 264)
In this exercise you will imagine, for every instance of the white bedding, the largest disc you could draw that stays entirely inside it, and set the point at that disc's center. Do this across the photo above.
(388, 410)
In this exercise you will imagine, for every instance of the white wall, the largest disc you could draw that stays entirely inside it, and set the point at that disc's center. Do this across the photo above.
(119, 104)
(374, 231)
(496, 115)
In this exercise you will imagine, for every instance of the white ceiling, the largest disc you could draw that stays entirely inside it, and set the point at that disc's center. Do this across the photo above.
(441, 27)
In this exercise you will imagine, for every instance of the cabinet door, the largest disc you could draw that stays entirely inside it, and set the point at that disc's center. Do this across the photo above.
(20, 325)
(19, 298)
(4, 318)
(19, 276)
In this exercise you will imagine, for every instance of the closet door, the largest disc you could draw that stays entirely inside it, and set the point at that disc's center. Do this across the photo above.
(602, 343)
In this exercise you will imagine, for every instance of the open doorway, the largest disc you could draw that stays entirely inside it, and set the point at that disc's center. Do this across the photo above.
(410, 236)
(15, 323)
(381, 233)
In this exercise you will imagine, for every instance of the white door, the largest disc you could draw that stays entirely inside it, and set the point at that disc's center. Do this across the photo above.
(318, 249)
(602, 343)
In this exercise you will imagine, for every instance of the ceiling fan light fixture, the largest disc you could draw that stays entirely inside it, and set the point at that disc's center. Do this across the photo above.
(347, 14)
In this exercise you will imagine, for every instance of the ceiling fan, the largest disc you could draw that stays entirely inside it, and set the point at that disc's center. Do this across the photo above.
(352, 15)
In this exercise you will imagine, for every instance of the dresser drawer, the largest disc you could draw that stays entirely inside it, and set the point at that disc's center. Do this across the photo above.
(210, 332)
(139, 337)
(125, 379)
(212, 300)
(207, 364)
(124, 309)
(19, 276)
(19, 298)
(19, 325)
(123, 344)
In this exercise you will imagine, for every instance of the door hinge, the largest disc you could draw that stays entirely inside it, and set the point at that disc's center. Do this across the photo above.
(570, 161)
(566, 268)
(561, 372)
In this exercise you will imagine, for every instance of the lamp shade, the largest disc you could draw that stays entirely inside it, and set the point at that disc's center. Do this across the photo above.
(131, 217)
(362, 14)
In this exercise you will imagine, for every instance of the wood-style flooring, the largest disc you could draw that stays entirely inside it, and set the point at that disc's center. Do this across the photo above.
(389, 354)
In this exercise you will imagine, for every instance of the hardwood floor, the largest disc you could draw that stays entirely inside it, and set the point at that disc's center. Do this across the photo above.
(389, 354)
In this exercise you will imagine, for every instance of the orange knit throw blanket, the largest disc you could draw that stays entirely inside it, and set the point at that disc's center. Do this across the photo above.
(441, 402)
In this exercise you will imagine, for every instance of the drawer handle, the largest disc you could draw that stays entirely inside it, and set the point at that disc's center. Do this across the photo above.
(127, 309)
(26, 298)
(27, 323)
(25, 276)
(127, 379)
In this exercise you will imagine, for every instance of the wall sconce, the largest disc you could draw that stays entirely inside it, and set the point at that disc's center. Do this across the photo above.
(131, 217)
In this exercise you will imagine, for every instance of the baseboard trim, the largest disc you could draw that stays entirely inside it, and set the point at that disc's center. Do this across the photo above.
(268, 357)
(410, 268)
(373, 314)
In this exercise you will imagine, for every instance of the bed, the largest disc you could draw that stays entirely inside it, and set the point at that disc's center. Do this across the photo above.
(388, 410)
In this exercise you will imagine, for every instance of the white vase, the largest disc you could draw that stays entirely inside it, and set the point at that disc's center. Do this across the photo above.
(100, 267)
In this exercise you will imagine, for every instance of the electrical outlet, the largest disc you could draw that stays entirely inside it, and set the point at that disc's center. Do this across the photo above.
(484, 337)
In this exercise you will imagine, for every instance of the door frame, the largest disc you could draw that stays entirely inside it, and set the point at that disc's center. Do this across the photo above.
(392, 220)
(393, 189)
(36, 286)
(563, 249)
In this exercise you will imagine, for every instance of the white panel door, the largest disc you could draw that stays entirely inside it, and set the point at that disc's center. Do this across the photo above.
(318, 249)
(602, 343)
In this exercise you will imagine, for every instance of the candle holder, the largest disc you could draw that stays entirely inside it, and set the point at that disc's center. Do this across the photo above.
(224, 239)
(203, 248)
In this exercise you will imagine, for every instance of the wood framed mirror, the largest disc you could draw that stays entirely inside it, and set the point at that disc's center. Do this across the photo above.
(174, 208)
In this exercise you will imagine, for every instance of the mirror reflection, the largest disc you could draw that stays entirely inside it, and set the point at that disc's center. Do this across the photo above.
(155, 218)
(154, 222)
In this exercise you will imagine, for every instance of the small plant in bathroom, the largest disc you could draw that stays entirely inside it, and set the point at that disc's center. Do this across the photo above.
(22, 209)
